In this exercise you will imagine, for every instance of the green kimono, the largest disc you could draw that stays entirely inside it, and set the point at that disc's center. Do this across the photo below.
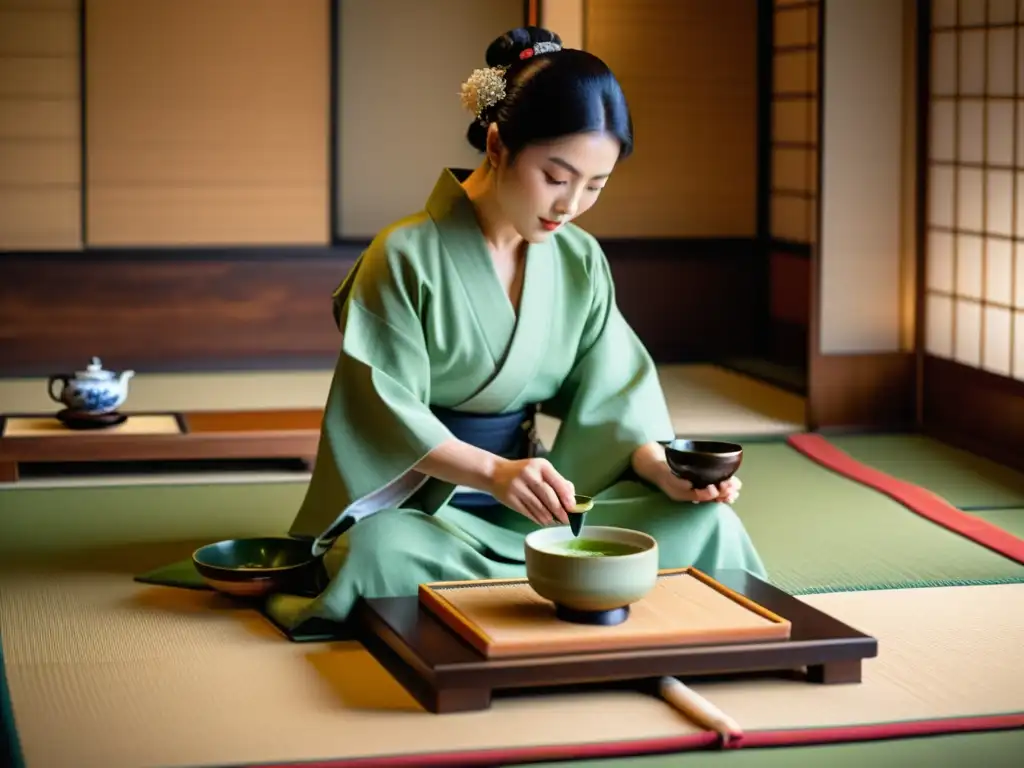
(425, 324)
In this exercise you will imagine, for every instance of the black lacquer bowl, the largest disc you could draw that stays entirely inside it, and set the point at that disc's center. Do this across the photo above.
(256, 567)
(703, 462)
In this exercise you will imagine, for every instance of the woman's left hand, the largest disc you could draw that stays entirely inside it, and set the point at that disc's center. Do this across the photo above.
(649, 462)
(678, 489)
(729, 491)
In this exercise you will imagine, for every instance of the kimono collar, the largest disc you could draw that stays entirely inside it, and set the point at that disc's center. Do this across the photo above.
(449, 199)
(509, 336)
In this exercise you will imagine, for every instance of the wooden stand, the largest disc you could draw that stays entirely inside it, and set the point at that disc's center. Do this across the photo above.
(446, 674)
(204, 435)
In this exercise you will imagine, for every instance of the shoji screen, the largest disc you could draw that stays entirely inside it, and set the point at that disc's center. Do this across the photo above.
(207, 122)
(40, 160)
(794, 175)
(975, 263)
(794, 121)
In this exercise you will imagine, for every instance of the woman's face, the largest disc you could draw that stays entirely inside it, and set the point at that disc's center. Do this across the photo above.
(551, 183)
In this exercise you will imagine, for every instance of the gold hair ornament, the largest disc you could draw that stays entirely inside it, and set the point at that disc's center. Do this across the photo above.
(486, 87)
(483, 89)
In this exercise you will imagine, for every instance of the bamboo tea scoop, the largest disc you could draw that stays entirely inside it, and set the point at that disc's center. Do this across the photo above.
(698, 709)
(578, 514)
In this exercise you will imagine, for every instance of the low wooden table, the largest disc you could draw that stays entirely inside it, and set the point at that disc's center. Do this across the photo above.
(177, 436)
(445, 674)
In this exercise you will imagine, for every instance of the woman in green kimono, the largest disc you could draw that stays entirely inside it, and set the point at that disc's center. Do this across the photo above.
(462, 321)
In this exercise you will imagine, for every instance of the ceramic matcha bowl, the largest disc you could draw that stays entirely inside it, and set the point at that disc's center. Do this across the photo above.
(592, 578)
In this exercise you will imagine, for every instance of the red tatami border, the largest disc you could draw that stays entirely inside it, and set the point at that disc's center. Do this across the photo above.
(915, 498)
(705, 740)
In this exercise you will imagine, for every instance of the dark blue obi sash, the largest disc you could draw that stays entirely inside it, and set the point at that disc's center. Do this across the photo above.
(509, 435)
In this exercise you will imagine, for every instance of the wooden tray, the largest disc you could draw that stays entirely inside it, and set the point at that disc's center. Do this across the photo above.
(505, 618)
(447, 674)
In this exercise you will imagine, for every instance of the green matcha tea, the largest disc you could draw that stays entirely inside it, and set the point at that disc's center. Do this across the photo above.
(595, 548)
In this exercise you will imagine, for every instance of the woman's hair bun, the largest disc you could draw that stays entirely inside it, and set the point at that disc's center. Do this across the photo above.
(476, 135)
(533, 90)
(506, 49)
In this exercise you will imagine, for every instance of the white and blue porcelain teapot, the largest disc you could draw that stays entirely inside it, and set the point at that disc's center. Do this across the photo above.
(94, 391)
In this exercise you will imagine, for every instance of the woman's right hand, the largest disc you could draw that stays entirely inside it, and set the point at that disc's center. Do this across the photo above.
(534, 489)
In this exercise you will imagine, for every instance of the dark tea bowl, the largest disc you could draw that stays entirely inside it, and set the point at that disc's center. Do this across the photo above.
(255, 567)
(703, 462)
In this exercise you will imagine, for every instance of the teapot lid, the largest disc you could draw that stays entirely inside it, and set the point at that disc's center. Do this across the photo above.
(94, 371)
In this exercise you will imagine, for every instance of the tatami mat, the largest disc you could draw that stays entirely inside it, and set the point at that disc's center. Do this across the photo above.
(157, 676)
(820, 531)
(943, 653)
(963, 479)
(131, 675)
(706, 400)
(112, 526)
(1010, 520)
(862, 539)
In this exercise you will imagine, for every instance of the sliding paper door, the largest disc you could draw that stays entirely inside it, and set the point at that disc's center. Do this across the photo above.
(975, 219)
